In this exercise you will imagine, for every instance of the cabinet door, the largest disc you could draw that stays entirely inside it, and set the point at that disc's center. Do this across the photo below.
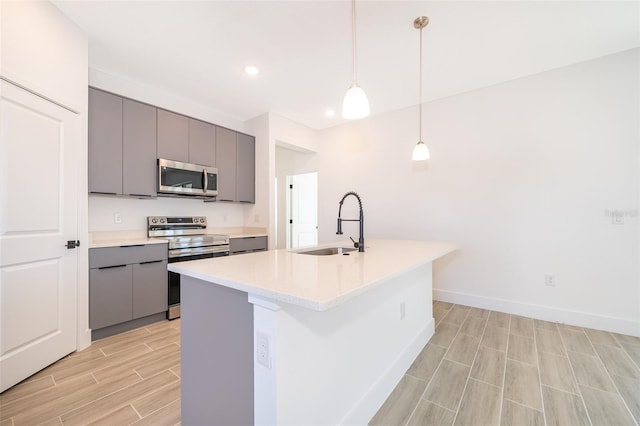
(226, 163)
(246, 169)
(105, 142)
(139, 149)
(173, 136)
(150, 288)
(110, 300)
(202, 143)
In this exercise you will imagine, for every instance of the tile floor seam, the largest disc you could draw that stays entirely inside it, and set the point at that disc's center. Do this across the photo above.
(524, 405)
(486, 383)
(137, 412)
(434, 371)
(535, 345)
(606, 370)
(504, 371)
(464, 390)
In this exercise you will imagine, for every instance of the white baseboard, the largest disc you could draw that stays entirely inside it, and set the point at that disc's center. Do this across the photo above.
(372, 400)
(547, 313)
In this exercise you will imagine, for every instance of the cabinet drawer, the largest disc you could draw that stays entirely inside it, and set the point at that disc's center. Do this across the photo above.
(110, 296)
(237, 245)
(125, 255)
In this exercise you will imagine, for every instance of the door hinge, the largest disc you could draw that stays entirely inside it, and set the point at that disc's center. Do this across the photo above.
(71, 244)
(290, 186)
(290, 220)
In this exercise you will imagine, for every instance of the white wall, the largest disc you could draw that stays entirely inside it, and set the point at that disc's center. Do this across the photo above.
(522, 175)
(134, 212)
(48, 54)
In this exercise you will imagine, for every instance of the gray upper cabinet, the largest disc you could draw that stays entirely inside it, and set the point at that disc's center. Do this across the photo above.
(139, 149)
(226, 156)
(246, 169)
(105, 142)
(173, 136)
(202, 143)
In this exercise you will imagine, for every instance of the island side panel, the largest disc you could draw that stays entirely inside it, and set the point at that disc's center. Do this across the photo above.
(339, 366)
(217, 354)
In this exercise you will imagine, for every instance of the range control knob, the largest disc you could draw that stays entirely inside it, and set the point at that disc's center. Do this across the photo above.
(154, 220)
(162, 220)
(202, 220)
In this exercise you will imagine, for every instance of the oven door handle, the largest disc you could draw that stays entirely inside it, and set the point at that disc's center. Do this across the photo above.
(176, 253)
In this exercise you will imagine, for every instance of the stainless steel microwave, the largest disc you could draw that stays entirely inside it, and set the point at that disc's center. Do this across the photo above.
(175, 177)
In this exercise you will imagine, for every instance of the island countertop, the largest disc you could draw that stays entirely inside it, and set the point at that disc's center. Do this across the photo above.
(315, 282)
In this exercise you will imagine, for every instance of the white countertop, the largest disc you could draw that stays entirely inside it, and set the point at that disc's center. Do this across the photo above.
(315, 282)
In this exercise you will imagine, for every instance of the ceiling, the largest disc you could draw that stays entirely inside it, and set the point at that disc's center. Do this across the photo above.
(198, 49)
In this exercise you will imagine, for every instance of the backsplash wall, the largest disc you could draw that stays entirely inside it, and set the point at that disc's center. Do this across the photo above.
(134, 212)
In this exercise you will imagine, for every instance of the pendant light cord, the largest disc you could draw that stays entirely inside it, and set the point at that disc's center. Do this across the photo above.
(420, 90)
(353, 36)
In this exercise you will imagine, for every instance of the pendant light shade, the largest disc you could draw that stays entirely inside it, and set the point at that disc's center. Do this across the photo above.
(356, 103)
(420, 152)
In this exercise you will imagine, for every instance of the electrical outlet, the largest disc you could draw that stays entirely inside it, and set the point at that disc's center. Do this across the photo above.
(263, 355)
(224, 217)
(403, 310)
(550, 280)
(256, 218)
(617, 219)
(117, 218)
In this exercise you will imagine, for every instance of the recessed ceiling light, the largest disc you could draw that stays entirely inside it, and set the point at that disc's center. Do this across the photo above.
(251, 70)
(330, 113)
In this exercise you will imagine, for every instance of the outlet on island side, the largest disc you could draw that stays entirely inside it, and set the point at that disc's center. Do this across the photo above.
(263, 355)
(403, 310)
(117, 218)
(550, 280)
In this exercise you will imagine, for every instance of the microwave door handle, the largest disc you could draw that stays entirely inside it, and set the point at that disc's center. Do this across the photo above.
(205, 180)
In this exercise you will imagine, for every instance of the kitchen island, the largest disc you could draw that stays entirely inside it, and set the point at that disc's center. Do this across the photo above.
(282, 337)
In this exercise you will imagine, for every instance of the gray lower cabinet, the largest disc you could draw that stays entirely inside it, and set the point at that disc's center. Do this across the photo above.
(122, 146)
(110, 290)
(149, 288)
(126, 283)
(247, 245)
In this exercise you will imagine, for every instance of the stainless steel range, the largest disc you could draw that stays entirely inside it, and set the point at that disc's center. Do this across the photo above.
(188, 240)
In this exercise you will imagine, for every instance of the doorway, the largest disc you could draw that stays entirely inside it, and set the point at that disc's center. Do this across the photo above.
(302, 210)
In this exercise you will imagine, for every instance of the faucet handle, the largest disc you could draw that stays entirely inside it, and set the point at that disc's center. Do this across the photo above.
(355, 243)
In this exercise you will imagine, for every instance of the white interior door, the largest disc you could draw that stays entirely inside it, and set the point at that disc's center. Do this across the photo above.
(303, 209)
(39, 141)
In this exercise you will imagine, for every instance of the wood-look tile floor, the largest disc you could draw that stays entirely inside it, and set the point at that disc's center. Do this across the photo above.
(480, 368)
(491, 368)
(129, 378)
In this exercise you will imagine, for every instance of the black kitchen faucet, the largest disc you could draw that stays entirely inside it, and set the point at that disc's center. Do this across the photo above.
(360, 244)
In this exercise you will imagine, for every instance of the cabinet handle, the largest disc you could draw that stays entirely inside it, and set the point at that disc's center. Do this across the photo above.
(134, 245)
(112, 267)
(151, 261)
(225, 200)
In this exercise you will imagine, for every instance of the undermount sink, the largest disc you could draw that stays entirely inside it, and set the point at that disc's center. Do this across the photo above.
(327, 251)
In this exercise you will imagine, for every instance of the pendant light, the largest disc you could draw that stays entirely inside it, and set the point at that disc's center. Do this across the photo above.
(420, 152)
(355, 104)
